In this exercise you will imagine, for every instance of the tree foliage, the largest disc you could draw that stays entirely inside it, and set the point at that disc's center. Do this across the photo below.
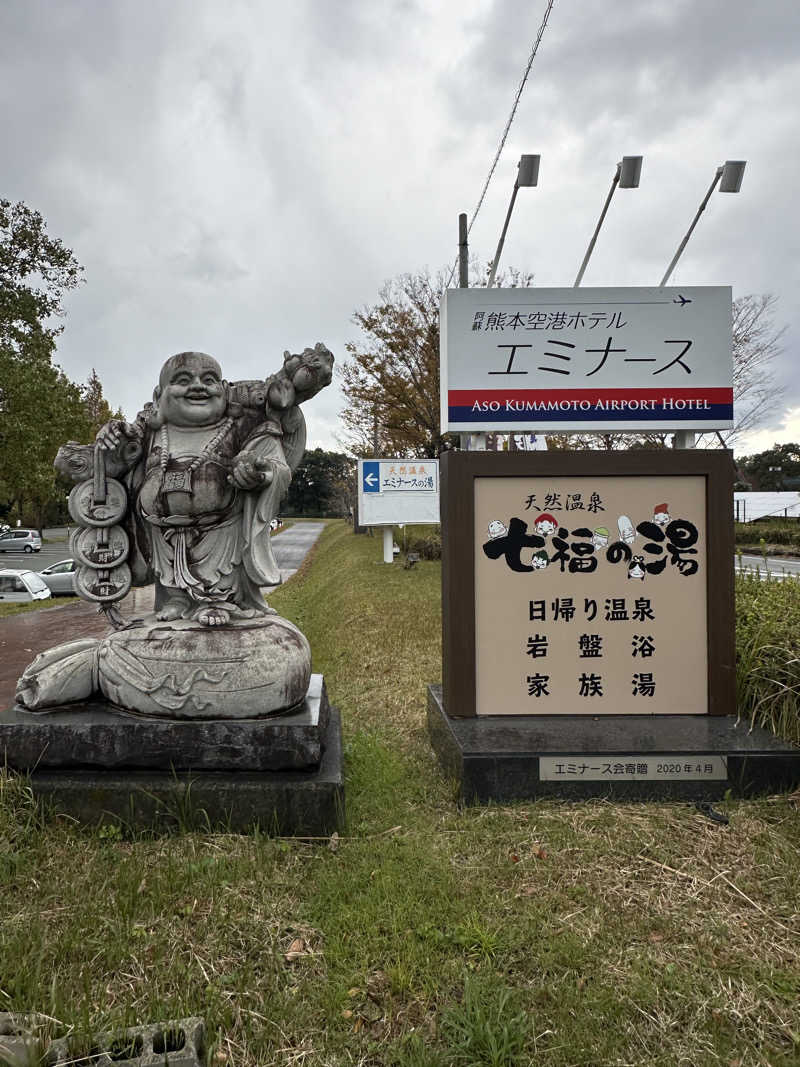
(776, 469)
(40, 408)
(36, 270)
(321, 484)
(391, 377)
(96, 407)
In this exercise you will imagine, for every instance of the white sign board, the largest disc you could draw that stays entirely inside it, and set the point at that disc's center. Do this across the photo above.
(394, 491)
(567, 360)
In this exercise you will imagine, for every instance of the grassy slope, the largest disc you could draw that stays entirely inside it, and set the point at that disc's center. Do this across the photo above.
(538, 933)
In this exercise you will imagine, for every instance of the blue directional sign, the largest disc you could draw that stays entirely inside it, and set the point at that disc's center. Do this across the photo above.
(371, 476)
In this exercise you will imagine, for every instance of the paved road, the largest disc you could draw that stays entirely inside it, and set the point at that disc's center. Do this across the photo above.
(290, 547)
(23, 636)
(774, 567)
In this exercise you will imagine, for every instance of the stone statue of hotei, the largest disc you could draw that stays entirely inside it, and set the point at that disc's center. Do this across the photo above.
(214, 464)
(184, 496)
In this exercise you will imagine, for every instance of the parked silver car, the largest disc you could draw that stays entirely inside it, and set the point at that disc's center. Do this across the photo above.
(21, 587)
(20, 540)
(60, 577)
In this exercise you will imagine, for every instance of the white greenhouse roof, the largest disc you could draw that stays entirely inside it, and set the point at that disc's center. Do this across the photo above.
(749, 506)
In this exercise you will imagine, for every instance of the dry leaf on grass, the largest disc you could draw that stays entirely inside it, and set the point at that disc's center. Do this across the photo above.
(297, 949)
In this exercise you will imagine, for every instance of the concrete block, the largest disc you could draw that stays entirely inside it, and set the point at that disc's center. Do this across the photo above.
(179, 1043)
(306, 803)
(99, 735)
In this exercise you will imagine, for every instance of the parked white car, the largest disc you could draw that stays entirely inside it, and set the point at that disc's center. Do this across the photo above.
(60, 577)
(20, 540)
(21, 587)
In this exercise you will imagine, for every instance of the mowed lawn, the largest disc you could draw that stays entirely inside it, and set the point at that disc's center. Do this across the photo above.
(426, 934)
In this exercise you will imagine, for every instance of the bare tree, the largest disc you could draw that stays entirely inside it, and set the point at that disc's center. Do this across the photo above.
(756, 344)
(390, 378)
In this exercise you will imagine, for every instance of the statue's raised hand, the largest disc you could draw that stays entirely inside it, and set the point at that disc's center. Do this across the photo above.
(250, 472)
(115, 431)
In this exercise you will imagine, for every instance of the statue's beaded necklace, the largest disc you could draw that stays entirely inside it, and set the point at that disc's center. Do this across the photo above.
(181, 481)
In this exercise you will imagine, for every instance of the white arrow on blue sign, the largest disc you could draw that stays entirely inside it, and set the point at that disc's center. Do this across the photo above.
(371, 476)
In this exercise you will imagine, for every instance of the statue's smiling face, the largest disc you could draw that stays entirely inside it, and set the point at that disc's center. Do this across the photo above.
(192, 390)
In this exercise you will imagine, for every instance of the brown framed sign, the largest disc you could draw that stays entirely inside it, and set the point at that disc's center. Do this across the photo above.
(588, 583)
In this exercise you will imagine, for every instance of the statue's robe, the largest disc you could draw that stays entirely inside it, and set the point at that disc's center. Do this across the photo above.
(213, 544)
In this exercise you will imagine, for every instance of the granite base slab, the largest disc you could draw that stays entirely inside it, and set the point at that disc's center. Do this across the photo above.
(99, 735)
(500, 757)
(305, 803)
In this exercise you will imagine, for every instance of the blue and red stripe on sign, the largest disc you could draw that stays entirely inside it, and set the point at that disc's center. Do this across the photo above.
(591, 405)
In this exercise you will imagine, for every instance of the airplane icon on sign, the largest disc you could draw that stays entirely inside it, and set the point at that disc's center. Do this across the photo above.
(681, 300)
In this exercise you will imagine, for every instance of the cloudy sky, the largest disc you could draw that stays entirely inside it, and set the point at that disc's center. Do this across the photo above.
(239, 177)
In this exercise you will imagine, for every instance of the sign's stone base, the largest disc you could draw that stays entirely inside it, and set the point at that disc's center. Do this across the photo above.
(98, 735)
(627, 757)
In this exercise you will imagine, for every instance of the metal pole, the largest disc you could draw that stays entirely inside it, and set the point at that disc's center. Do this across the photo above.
(685, 241)
(502, 240)
(590, 249)
(463, 283)
(684, 439)
(388, 544)
(463, 252)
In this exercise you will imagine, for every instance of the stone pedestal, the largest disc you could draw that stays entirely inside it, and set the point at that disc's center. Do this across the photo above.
(688, 757)
(95, 762)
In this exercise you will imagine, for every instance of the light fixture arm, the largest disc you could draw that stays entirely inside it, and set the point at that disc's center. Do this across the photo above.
(501, 242)
(689, 232)
(590, 249)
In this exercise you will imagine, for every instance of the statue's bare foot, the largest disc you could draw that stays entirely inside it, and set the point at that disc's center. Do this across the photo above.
(213, 616)
(173, 609)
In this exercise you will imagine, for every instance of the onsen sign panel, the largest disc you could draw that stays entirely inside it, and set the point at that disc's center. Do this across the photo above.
(586, 359)
(588, 584)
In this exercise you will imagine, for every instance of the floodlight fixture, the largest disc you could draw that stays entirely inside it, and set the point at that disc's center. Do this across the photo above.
(626, 176)
(527, 175)
(732, 174)
(729, 178)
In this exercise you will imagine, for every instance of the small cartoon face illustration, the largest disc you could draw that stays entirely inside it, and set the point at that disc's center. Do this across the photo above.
(636, 568)
(626, 530)
(540, 561)
(496, 529)
(600, 537)
(661, 514)
(545, 524)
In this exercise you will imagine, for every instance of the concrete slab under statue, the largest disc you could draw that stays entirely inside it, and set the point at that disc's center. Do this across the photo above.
(183, 498)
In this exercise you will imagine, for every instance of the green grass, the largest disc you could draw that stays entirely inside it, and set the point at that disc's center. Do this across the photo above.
(36, 605)
(426, 935)
(767, 648)
(776, 536)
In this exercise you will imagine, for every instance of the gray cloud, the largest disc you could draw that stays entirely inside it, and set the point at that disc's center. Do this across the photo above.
(239, 178)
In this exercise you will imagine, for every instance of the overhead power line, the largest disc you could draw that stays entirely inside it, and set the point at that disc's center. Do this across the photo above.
(500, 147)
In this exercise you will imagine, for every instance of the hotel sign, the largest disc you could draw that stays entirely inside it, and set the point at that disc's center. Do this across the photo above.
(586, 359)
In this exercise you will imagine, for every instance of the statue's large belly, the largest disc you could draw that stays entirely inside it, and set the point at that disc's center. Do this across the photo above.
(206, 491)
